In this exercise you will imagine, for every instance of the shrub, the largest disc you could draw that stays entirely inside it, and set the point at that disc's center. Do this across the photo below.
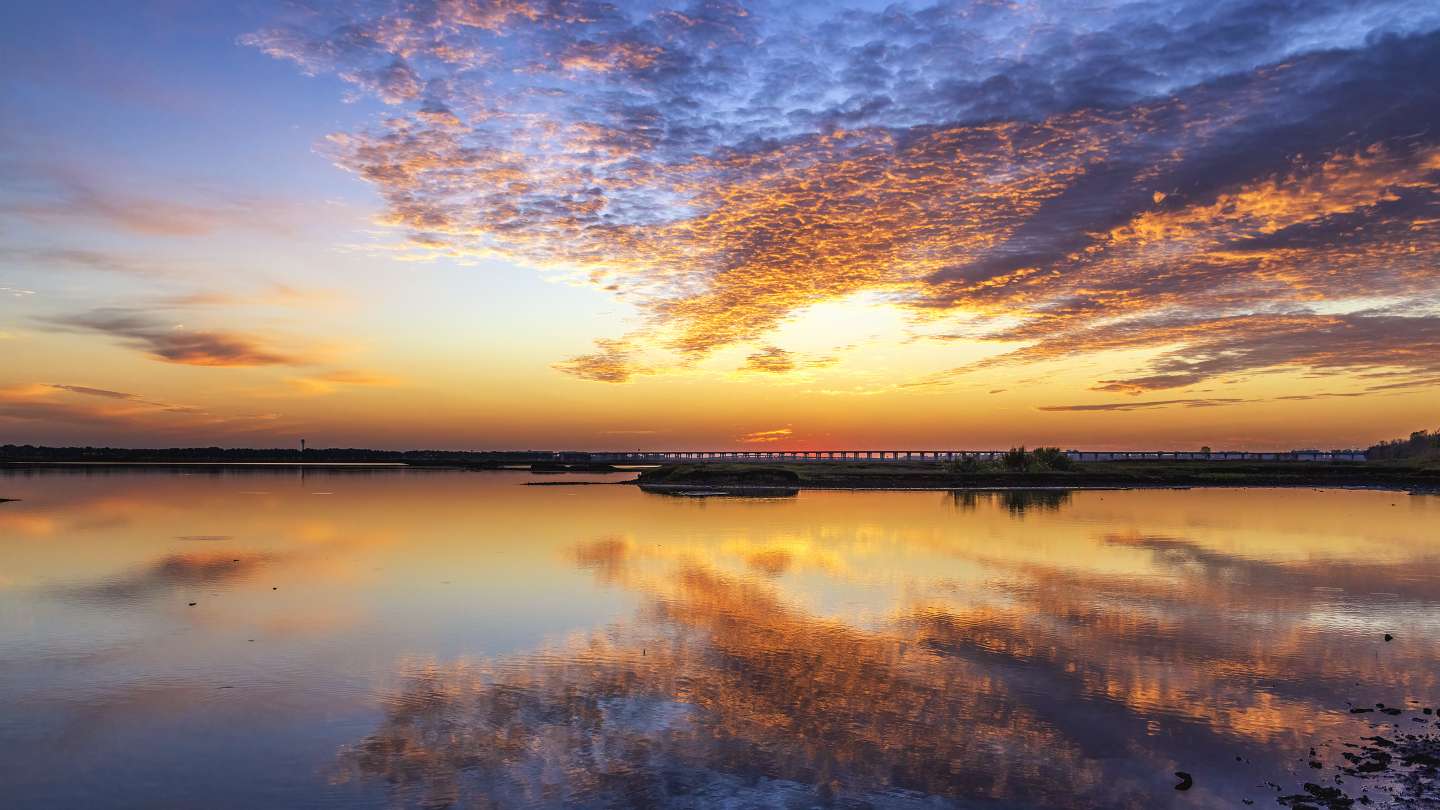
(968, 464)
(1016, 459)
(1052, 458)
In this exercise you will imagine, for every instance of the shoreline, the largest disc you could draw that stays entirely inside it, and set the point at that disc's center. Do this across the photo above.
(769, 479)
(682, 478)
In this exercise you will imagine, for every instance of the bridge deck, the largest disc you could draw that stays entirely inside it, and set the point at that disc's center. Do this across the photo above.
(788, 456)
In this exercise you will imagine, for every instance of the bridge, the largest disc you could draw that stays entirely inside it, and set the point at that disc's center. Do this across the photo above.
(936, 456)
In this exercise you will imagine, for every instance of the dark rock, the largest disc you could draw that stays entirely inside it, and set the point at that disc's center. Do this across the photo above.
(1186, 780)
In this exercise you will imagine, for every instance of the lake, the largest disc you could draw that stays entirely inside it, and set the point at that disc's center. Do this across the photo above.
(274, 637)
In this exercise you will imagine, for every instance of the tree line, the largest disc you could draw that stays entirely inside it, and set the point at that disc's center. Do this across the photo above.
(30, 452)
(1422, 444)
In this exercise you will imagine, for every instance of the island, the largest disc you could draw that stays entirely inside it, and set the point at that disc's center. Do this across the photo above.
(725, 477)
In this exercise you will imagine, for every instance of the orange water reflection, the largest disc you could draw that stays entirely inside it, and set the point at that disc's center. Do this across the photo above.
(598, 646)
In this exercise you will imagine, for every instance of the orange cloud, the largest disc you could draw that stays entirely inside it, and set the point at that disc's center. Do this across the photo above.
(330, 381)
(177, 344)
(1063, 216)
(766, 436)
(614, 363)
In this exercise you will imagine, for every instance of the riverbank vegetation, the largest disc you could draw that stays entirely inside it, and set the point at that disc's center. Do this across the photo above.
(1036, 472)
(1422, 447)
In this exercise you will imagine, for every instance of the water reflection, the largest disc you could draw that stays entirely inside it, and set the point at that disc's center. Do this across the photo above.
(720, 694)
(1016, 501)
(1075, 690)
(170, 572)
(465, 640)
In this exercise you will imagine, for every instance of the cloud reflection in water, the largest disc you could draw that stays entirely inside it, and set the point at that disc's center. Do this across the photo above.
(1074, 689)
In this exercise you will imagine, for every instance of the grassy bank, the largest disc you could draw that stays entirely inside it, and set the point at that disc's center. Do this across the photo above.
(918, 475)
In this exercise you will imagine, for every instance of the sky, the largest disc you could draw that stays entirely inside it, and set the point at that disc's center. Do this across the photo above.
(719, 225)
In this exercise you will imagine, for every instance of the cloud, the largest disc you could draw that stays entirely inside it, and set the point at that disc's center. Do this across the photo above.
(40, 410)
(92, 407)
(48, 191)
(175, 343)
(51, 259)
(771, 360)
(1146, 405)
(775, 360)
(274, 295)
(330, 381)
(1224, 346)
(94, 392)
(766, 436)
(36, 403)
(115, 408)
(613, 363)
(1209, 180)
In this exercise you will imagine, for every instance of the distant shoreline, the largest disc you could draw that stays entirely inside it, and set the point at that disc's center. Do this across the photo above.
(682, 478)
(394, 464)
(740, 478)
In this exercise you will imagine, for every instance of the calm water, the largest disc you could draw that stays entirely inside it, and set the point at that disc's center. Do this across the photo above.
(373, 639)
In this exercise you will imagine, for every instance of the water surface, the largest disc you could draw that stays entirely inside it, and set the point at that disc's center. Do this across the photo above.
(433, 639)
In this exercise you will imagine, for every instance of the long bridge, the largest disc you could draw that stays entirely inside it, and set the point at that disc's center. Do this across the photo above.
(771, 456)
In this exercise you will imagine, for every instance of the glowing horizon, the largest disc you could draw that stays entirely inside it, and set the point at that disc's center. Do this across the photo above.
(504, 224)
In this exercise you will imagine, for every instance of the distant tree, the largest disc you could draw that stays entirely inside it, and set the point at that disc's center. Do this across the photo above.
(1016, 458)
(1052, 458)
(1205, 449)
(1422, 444)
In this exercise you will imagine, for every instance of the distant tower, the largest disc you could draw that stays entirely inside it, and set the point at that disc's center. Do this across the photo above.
(302, 448)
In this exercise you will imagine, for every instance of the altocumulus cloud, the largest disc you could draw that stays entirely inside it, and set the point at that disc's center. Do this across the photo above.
(1219, 178)
(775, 360)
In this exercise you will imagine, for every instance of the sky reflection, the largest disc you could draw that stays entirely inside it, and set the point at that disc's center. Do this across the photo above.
(463, 640)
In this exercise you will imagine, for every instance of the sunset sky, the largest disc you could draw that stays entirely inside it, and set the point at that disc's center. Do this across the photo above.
(710, 225)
